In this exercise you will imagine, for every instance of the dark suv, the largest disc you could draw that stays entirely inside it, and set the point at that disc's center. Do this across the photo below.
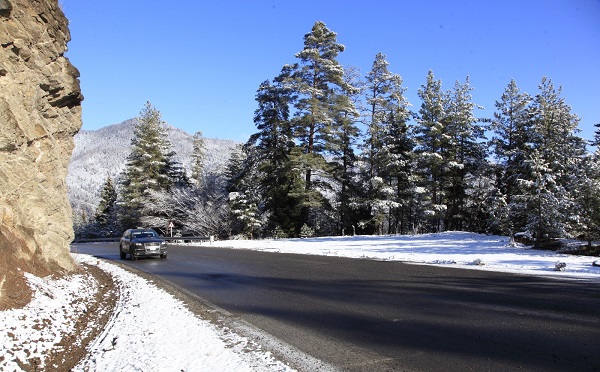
(142, 243)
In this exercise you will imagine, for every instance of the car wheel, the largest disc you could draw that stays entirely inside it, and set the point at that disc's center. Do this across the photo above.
(163, 255)
(133, 256)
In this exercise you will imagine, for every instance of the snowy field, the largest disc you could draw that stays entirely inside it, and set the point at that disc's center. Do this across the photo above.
(166, 336)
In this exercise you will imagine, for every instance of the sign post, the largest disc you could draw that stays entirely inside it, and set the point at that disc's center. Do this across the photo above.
(171, 226)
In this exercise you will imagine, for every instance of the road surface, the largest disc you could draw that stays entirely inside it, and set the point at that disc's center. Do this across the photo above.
(365, 315)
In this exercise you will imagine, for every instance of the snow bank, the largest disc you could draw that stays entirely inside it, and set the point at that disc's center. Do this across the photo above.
(456, 249)
(149, 330)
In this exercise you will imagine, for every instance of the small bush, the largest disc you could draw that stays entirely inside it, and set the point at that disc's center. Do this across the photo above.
(278, 233)
(306, 231)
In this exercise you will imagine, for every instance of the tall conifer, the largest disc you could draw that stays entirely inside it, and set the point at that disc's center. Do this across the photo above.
(150, 165)
(316, 78)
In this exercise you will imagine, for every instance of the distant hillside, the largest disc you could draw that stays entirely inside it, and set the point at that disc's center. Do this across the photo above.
(103, 152)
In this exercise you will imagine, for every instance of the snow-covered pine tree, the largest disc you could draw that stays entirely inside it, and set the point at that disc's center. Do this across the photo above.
(388, 147)
(555, 128)
(342, 140)
(432, 153)
(316, 78)
(244, 191)
(245, 211)
(106, 217)
(585, 220)
(465, 155)
(150, 166)
(271, 148)
(511, 146)
(558, 151)
(198, 153)
(397, 157)
(546, 200)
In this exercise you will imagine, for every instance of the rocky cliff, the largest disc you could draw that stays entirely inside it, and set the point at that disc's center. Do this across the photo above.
(40, 112)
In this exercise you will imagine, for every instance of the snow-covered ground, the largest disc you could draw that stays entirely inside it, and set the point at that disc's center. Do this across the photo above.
(452, 249)
(151, 330)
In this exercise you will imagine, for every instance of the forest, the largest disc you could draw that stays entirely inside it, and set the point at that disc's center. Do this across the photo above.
(338, 153)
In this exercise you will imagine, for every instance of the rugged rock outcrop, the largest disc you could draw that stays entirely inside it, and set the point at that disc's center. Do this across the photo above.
(40, 112)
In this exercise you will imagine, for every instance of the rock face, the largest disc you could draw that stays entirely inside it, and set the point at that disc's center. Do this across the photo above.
(40, 112)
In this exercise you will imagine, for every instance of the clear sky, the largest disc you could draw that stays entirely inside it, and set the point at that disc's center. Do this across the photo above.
(201, 62)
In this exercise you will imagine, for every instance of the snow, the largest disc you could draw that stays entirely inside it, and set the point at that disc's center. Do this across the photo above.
(458, 249)
(25, 333)
(151, 330)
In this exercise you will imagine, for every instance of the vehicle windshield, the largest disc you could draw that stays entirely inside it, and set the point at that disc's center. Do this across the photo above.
(144, 234)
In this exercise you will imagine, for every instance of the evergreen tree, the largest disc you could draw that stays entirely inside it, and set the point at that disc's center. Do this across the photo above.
(387, 149)
(106, 212)
(272, 147)
(380, 85)
(274, 139)
(245, 191)
(555, 128)
(596, 140)
(316, 78)
(511, 146)
(586, 221)
(397, 160)
(546, 201)
(553, 165)
(465, 154)
(432, 152)
(342, 139)
(198, 153)
(150, 166)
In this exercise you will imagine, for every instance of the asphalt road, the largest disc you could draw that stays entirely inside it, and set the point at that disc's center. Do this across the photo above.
(364, 315)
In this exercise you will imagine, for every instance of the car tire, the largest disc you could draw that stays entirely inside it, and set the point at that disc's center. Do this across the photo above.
(133, 256)
(163, 255)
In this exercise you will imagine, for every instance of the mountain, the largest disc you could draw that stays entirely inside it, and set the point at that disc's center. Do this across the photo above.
(103, 152)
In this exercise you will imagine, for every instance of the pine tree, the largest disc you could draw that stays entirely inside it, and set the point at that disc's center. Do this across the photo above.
(432, 152)
(150, 166)
(246, 193)
(397, 158)
(380, 85)
(546, 200)
(342, 139)
(586, 221)
(388, 147)
(555, 128)
(272, 147)
(316, 78)
(511, 146)
(465, 154)
(198, 153)
(554, 163)
(106, 212)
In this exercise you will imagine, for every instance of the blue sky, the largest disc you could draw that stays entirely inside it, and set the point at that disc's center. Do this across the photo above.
(201, 62)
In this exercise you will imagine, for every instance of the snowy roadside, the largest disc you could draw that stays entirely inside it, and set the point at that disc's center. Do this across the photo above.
(450, 249)
(149, 330)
